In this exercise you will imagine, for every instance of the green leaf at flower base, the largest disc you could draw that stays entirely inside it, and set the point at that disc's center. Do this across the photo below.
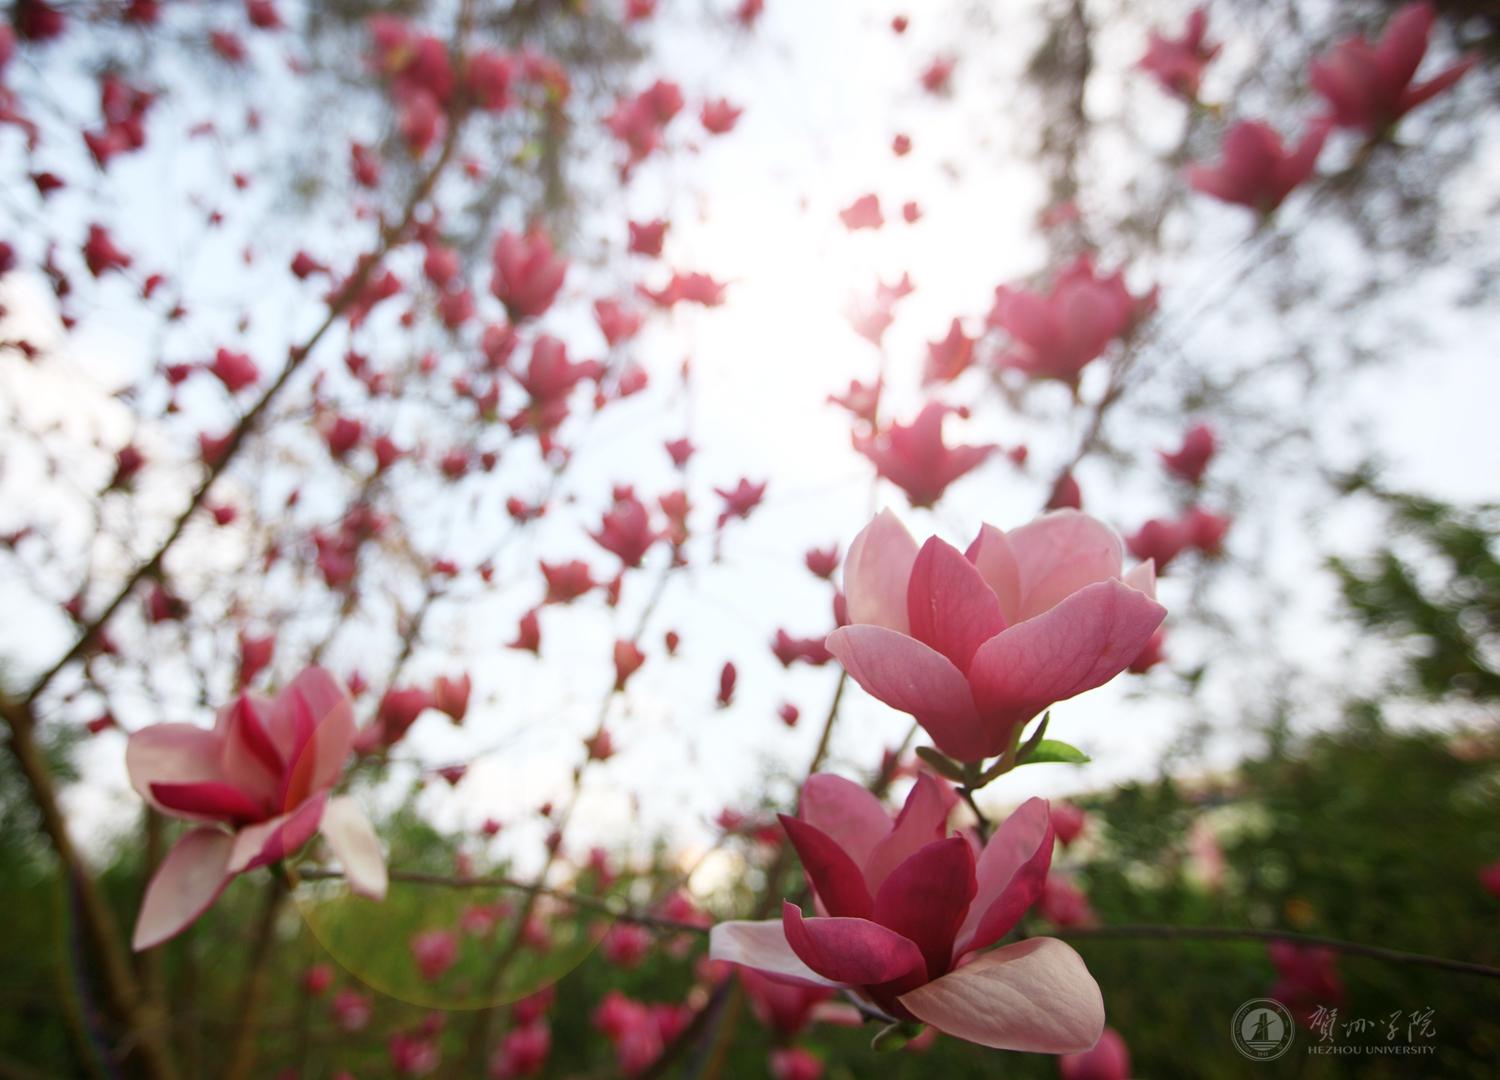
(941, 763)
(1055, 750)
(895, 1036)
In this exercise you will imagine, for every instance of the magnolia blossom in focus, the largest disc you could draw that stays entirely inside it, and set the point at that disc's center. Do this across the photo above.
(904, 911)
(975, 644)
(260, 782)
(1369, 86)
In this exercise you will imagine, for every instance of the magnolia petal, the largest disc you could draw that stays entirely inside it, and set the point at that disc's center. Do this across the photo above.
(352, 837)
(923, 819)
(209, 800)
(1012, 871)
(271, 841)
(186, 884)
(1142, 578)
(854, 952)
(926, 898)
(312, 721)
(912, 678)
(876, 571)
(171, 754)
(992, 557)
(762, 946)
(250, 758)
(846, 812)
(835, 877)
(1035, 996)
(949, 605)
(1060, 553)
(1082, 643)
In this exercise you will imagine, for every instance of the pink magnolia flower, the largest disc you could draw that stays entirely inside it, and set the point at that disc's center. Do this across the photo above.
(255, 654)
(1369, 85)
(1064, 904)
(1178, 63)
(719, 116)
(528, 273)
(908, 912)
(626, 944)
(1068, 822)
(1489, 878)
(451, 696)
(975, 644)
(1191, 460)
(617, 322)
(1257, 171)
(351, 1010)
(1160, 540)
(523, 1051)
(949, 358)
(1108, 1060)
(1055, 335)
(1307, 977)
(260, 782)
(862, 213)
(434, 951)
(784, 1007)
(915, 458)
(626, 530)
(740, 500)
(646, 237)
(795, 1063)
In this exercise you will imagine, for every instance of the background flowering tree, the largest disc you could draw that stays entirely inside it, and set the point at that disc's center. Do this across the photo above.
(428, 395)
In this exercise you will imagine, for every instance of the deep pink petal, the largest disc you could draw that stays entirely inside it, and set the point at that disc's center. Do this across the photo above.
(355, 845)
(1012, 871)
(923, 819)
(854, 952)
(1058, 554)
(835, 877)
(949, 605)
(762, 946)
(207, 800)
(926, 898)
(876, 571)
(251, 760)
(172, 754)
(1036, 996)
(910, 677)
(1404, 43)
(271, 841)
(852, 817)
(186, 884)
(992, 557)
(1082, 643)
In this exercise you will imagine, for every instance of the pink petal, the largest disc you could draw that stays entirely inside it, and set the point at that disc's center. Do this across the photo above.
(1082, 643)
(854, 952)
(835, 877)
(949, 605)
(1142, 578)
(852, 817)
(992, 557)
(923, 819)
(186, 884)
(271, 841)
(207, 801)
(762, 946)
(172, 754)
(1012, 871)
(1058, 554)
(354, 843)
(1036, 996)
(876, 571)
(910, 677)
(312, 721)
(251, 760)
(926, 897)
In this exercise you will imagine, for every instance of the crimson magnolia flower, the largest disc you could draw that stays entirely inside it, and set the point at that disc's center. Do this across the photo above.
(1178, 63)
(626, 529)
(975, 644)
(908, 913)
(719, 116)
(949, 358)
(1190, 461)
(528, 273)
(260, 781)
(1369, 86)
(915, 458)
(1055, 335)
(1257, 170)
